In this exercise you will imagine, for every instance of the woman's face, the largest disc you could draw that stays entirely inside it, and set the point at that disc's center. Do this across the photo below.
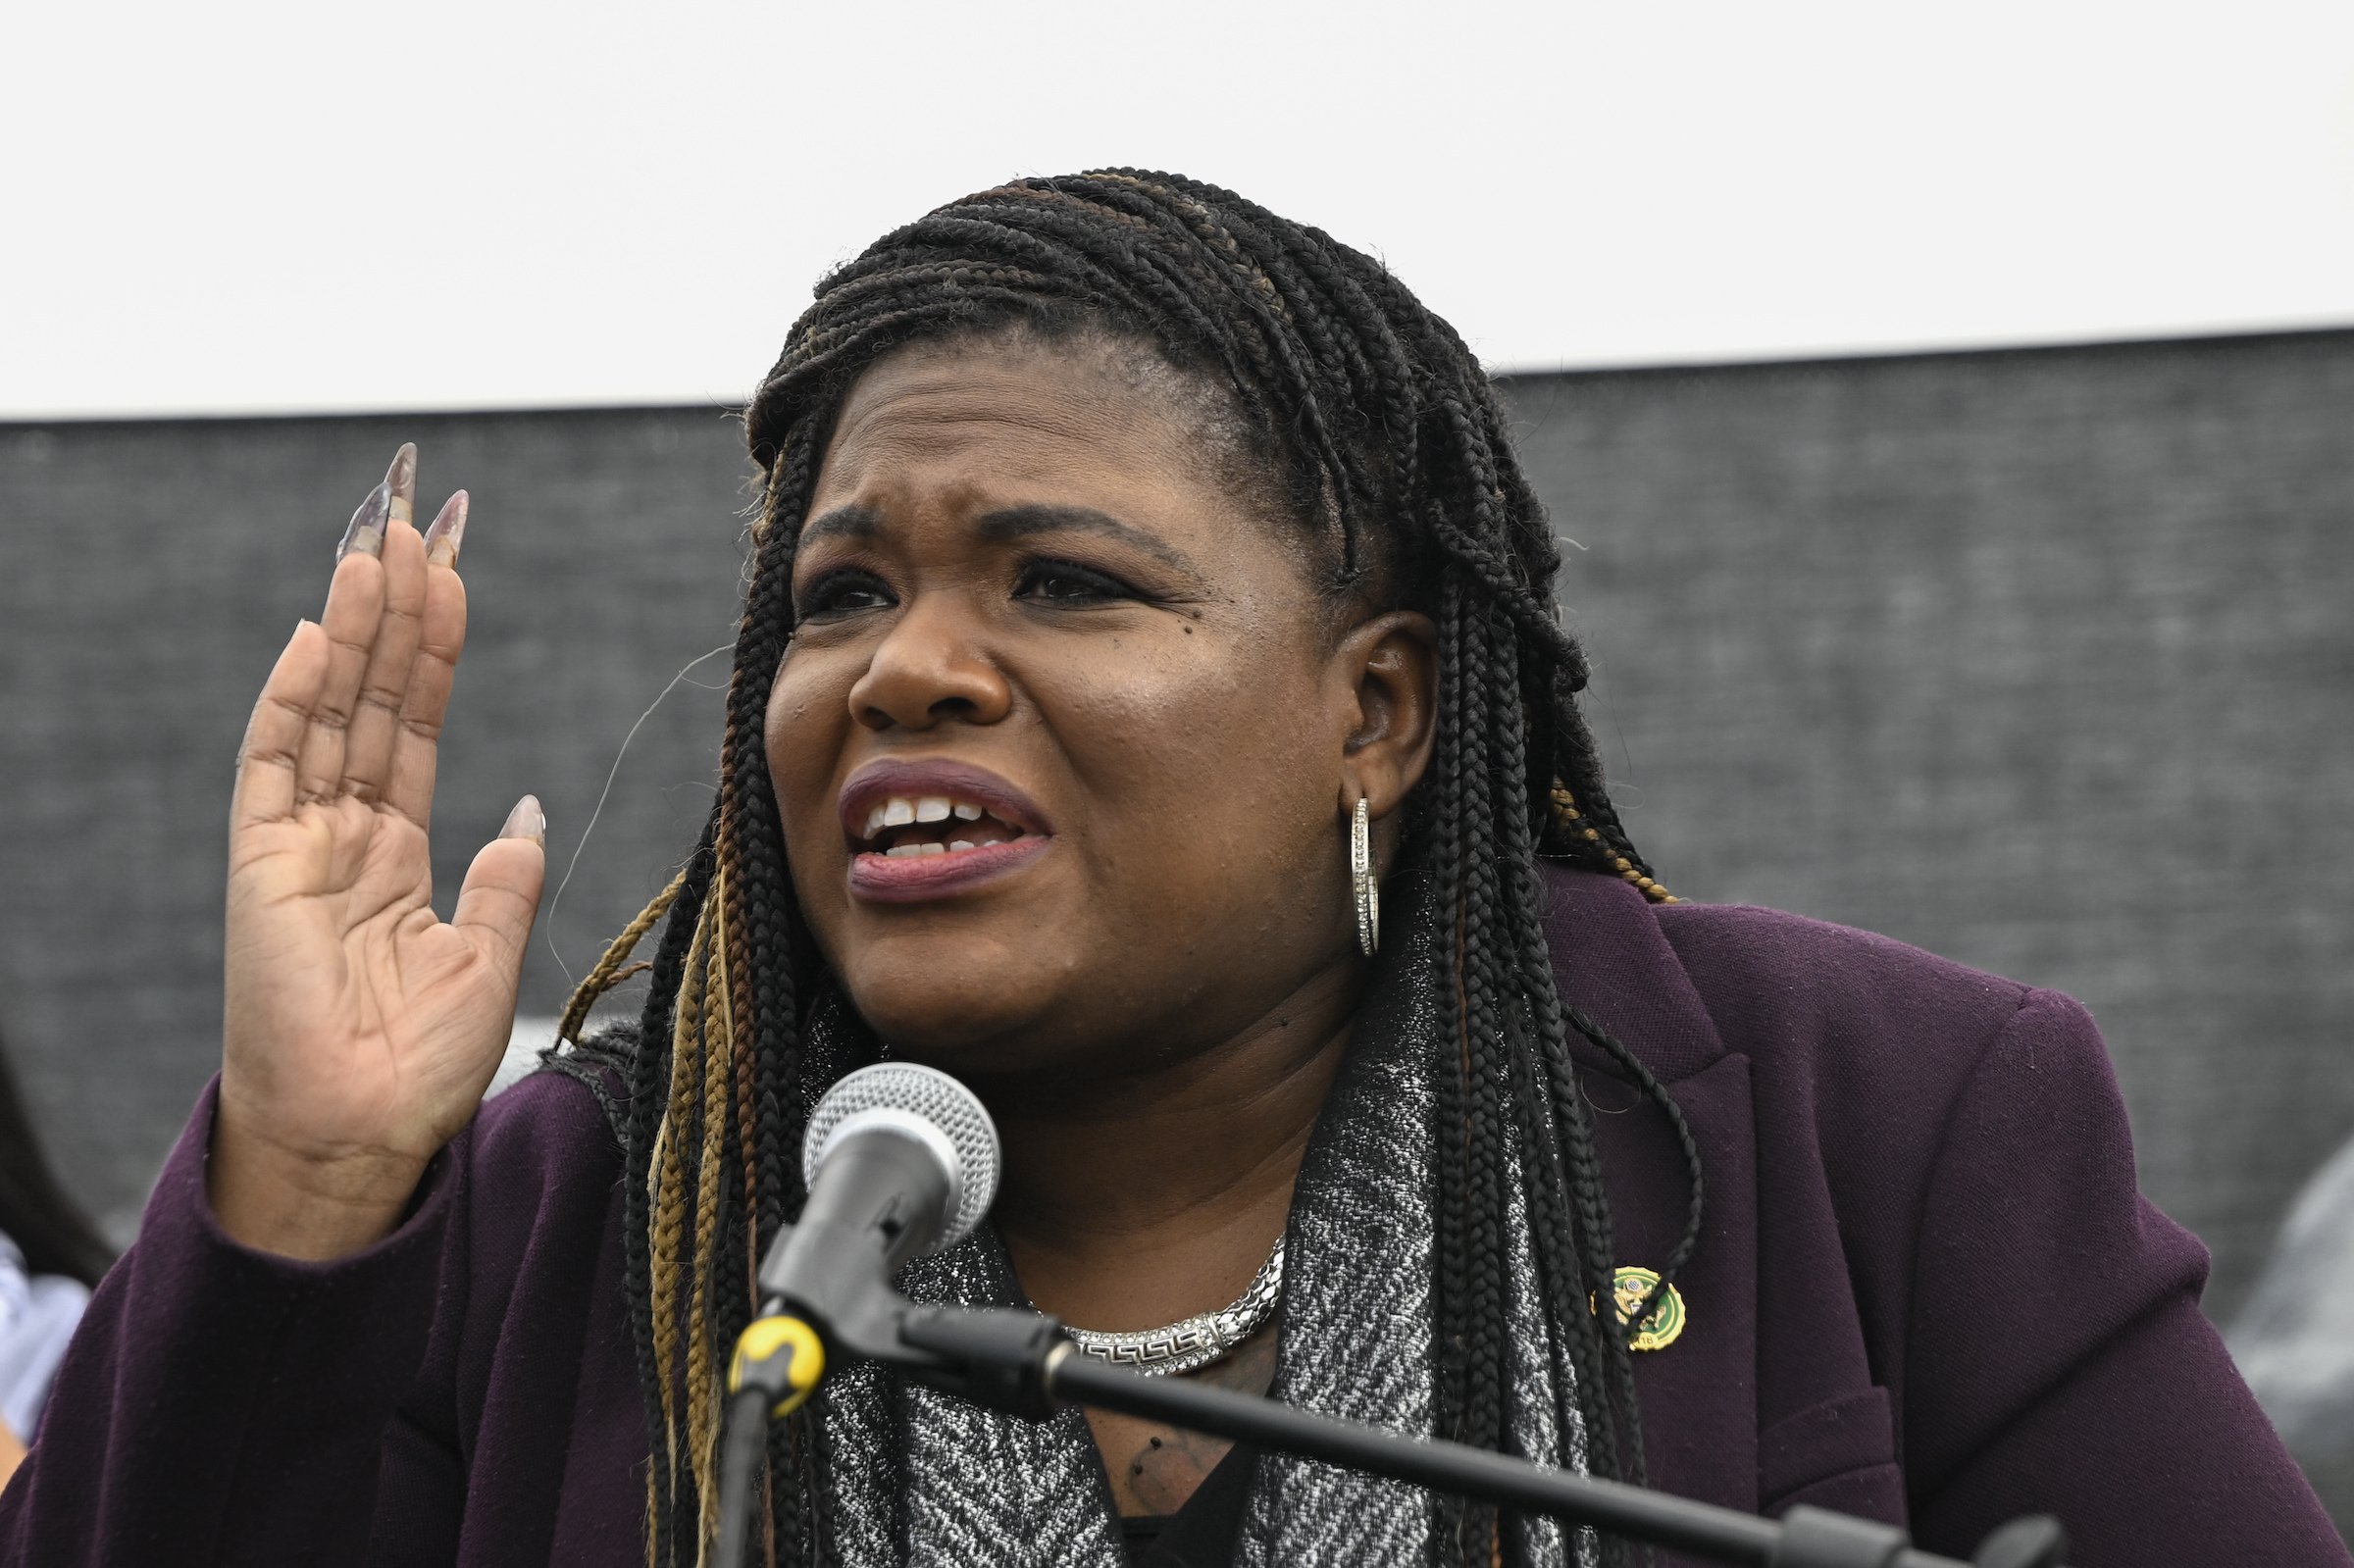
(1062, 739)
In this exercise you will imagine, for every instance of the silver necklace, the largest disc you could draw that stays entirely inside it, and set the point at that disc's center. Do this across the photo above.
(1196, 1343)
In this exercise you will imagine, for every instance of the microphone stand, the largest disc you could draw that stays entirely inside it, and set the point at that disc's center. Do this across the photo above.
(1022, 1363)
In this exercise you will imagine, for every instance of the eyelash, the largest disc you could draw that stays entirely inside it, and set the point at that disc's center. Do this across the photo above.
(826, 598)
(1101, 586)
(823, 599)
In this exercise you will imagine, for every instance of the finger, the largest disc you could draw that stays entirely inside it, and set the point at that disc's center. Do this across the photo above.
(266, 758)
(354, 605)
(384, 682)
(501, 890)
(416, 749)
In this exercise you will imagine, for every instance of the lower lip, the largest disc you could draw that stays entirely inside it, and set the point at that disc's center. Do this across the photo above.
(912, 879)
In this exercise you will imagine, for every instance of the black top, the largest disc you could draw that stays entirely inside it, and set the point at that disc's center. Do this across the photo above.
(1202, 1534)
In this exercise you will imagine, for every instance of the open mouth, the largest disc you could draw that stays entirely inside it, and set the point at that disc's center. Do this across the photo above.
(908, 827)
(931, 828)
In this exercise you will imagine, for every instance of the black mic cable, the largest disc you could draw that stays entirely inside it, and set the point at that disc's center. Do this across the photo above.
(778, 1362)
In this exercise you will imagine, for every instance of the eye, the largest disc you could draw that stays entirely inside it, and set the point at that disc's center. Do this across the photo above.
(1068, 582)
(843, 593)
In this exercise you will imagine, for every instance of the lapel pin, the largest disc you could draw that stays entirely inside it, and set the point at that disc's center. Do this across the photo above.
(1662, 1325)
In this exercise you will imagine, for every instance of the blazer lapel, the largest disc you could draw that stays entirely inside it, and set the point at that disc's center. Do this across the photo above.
(1698, 1395)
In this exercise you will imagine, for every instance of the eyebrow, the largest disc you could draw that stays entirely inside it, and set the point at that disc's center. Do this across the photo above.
(852, 522)
(1021, 522)
(857, 521)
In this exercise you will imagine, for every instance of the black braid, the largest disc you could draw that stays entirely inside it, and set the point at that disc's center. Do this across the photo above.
(1457, 1220)
(1335, 391)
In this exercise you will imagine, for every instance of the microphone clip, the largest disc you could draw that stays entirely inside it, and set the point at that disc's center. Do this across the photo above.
(1000, 1357)
(997, 1357)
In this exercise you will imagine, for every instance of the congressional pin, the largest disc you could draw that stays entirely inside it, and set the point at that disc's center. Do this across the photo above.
(1662, 1325)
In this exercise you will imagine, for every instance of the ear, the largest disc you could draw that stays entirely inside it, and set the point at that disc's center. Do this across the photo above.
(1389, 670)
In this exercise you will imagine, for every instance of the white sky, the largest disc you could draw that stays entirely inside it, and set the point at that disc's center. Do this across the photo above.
(246, 208)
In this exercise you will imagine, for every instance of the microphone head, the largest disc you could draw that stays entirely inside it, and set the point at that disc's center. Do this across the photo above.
(905, 1089)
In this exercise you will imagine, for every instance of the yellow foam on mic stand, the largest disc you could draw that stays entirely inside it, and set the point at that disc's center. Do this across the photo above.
(767, 1338)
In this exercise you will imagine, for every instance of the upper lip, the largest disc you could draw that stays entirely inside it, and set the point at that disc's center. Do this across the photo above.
(910, 778)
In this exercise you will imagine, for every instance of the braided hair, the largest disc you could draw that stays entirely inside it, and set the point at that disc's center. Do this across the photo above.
(1368, 418)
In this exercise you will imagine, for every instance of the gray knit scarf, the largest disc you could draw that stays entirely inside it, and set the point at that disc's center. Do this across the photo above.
(919, 1477)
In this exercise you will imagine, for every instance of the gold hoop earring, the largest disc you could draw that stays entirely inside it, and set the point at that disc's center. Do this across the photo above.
(1362, 882)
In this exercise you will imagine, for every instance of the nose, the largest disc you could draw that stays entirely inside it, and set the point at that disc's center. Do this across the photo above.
(930, 669)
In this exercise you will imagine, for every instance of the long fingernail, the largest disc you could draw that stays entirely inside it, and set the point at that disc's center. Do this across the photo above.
(401, 480)
(447, 535)
(526, 821)
(366, 534)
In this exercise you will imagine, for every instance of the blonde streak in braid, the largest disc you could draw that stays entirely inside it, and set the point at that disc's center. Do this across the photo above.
(667, 1180)
(747, 1122)
(608, 972)
(702, 1401)
(1572, 822)
(747, 1140)
(734, 984)
(700, 1178)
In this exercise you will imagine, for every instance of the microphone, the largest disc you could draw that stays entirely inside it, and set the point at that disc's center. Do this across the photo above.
(903, 1161)
(900, 1162)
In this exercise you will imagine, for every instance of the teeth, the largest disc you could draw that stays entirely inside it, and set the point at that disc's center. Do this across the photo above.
(901, 810)
(963, 844)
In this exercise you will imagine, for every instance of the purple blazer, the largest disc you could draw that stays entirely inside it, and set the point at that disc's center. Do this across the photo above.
(1928, 1291)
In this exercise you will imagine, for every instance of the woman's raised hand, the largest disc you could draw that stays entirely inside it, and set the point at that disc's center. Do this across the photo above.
(359, 1029)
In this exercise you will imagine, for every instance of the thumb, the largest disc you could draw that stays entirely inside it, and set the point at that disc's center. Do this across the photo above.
(501, 890)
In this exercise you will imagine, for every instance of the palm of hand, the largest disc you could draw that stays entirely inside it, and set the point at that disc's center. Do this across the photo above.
(359, 1029)
(368, 1001)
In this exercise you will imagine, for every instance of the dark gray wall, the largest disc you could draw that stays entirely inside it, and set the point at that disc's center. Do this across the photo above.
(153, 571)
(2041, 660)
(2038, 659)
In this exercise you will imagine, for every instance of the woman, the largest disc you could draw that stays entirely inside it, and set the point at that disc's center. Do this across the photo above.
(49, 1258)
(1133, 565)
